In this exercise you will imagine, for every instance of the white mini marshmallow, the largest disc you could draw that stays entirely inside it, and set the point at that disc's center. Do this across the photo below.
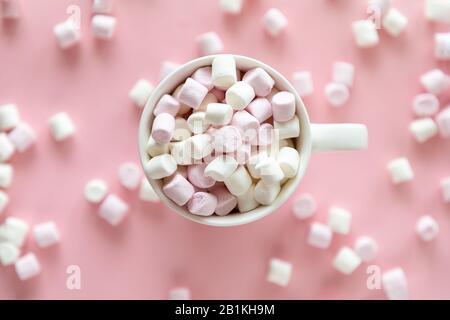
(129, 174)
(181, 152)
(167, 67)
(443, 122)
(218, 114)
(288, 129)
(231, 6)
(394, 22)
(140, 92)
(180, 294)
(146, 192)
(346, 261)
(269, 171)
(200, 145)
(6, 147)
(61, 126)
(274, 22)
(102, 6)
(266, 195)
(427, 228)
(10, 9)
(442, 46)
(320, 235)
(223, 71)
(221, 168)
(160, 166)
(8, 253)
(239, 95)
(113, 209)
(365, 33)
(289, 161)
(247, 201)
(9, 116)
(182, 131)
(304, 207)
(67, 34)
(95, 190)
(22, 137)
(280, 272)
(4, 201)
(46, 234)
(435, 81)
(445, 186)
(423, 129)
(155, 149)
(254, 160)
(197, 122)
(339, 220)
(344, 73)
(395, 285)
(103, 27)
(381, 6)
(239, 181)
(400, 170)
(16, 231)
(27, 267)
(303, 83)
(337, 94)
(437, 10)
(209, 43)
(366, 248)
(6, 175)
(425, 104)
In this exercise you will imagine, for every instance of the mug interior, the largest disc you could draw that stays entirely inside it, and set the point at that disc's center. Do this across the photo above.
(303, 143)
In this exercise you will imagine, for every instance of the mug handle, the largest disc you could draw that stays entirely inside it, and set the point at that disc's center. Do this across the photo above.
(338, 136)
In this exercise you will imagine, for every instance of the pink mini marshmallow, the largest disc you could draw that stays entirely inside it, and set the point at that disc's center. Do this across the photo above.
(196, 175)
(220, 94)
(226, 202)
(260, 108)
(163, 128)
(283, 106)
(178, 189)
(304, 207)
(227, 139)
(260, 80)
(202, 204)
(192, 93)
(265, 134)
(247, 124)
(167, 104)
(443, 122)
(203, 76)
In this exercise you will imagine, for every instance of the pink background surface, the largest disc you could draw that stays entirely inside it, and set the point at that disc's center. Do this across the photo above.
(155, 249)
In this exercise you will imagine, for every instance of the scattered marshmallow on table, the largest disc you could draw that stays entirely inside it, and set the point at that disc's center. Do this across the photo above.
(346, 261)
(95, 190)
(167, 67)
(6, 175)
(129, 174)
(209, 43)
(261, 82)
(283, 106)
(140, 92)
(223, 74)
(160, 166)
(231, 6)
(400, 170)
(180, 294)
(365, 33)
(9, 116)
(381, 6)
(226, 202)
(61, 126)
(443, 122)
(113, 209)
(22, 137)
(202, 204)
(4, 200)
(16, 231)
(221, 168)
(425, 104)
(445, 186)
(304, 206)
(442, 46)
(265, 194)
(437, 10)
(146, 192)
(178, 189)
(239, 181)
(192, 93)
(337, 94)
(155, 149)
(344, 73)
(339, 220)
(427, 228)
(67, 34)
(239, 95)
(303, 83)
(423, 129)
(219, 114)
(27, 267)
(435, 81)
(6, 147)
(274, 22)
(46, 234)
(10, 9)
(9, 253)
(395, 285)
(197, 176)
(366, 248)
(288, 129)
(394, 22)
(247, 201)
(103, 27)
(320, 235)
(280, 272)
(102, 6)
(163, 128)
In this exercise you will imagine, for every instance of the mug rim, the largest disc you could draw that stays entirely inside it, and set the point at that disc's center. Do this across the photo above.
(303, 143)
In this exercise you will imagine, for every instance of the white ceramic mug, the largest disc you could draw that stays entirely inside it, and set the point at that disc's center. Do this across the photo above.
(313, 137)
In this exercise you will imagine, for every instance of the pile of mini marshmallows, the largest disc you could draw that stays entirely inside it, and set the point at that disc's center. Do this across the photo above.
(219, 142)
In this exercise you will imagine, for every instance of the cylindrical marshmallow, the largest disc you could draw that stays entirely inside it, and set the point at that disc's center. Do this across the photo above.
(218, 114)
(9, 116)
(423, 129)
(254, 161)
(227, 139)
(274, 22)
(289, 161)
(442, 46)
(344, 73)
(192, 93)
(9, 253)
(437, 10)
(226, 202)
(427, 228)
(303, 83)
(147, 193)
(339, 220)
(197, 122)
(17, 231)
(140, 92)
(425, 104)
(202, 204)
(260, 108)
(283, 106)
(6, 175)
(209, 43)
(346, 261)
(113, 210)
(247, 124)
(305, 206)
(182, 152)
(61, 126)
(46, 234)
(4, 201)
(95, 190)
(102, 6)
(196, 175)
(266, 194)
(167, 104)
(66, 34)
(336, 94)
(366, 248)
(266, 135)
(203, 76)
(103, 26)
(160, 166)
(6, 148)
(163, 128)
(129, 175)
(288, 129)
(394, 22)
(231, 6)
(381, 6)
(155, 149)
(178, 189)
(221, 168)
(365, 33)
(269, 171)
(27, 267)
(435, 81)
(443, 122)
(395, 284)
(224, 71)
(239, 182)
(200, 146)
(320, 235)
(182, 131)
(239, 95)
(400, 170)
(247, 202)
(22, 137)
(261, 82)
